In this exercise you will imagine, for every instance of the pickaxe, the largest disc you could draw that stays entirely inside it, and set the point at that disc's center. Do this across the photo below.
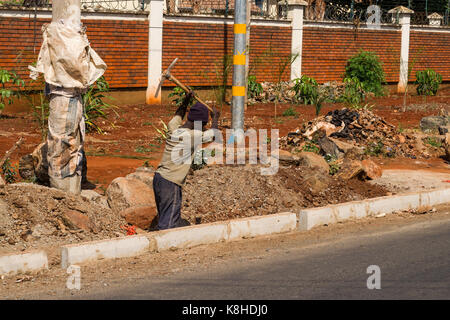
(167, 75)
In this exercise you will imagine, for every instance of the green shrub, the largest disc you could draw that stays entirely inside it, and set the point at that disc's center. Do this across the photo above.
(94, 105)
(179, 95)
(254, 88)
(7, 94)
(367, 68)
(428, 82)
(353, 93)
(290, 112)
(306, 90)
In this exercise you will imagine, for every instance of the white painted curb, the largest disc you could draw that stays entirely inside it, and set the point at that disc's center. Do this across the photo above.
(179, 238)
(21, 263)
(309, 218)
(103, 249)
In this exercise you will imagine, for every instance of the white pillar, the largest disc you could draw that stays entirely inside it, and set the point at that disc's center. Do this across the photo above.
(154, 50)
(404, 16)
(296, 10)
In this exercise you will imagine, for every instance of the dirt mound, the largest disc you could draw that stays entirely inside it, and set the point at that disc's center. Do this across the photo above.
(225, 192)
(360, 127)
(33, 215)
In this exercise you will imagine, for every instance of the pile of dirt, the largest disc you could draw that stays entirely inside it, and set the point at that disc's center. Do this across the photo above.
(33, 216)
(218, 193)
(361, 128)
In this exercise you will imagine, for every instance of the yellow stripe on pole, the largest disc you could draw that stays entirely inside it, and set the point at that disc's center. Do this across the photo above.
(239, 59)
(238, 91)
(240, 28)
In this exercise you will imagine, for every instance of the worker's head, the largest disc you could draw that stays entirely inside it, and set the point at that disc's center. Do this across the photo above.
(199, 112)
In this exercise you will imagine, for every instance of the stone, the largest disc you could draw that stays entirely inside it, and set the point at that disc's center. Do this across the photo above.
(444, 129)
(328, 147)
(401, 138)
(93, 196)
(26, 167)
(76, 220)
(351, 169)
(144, 176)
(124, 193)
(432, 123)
(317, 181)
(2, 182)
(446, 146)
(313, 161)
(371, 169)
(140, 216)
(287, 158)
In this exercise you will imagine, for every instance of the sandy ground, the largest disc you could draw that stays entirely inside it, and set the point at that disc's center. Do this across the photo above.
(103, 275)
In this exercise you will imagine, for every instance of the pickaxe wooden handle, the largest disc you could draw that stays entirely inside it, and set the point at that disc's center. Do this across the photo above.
(182, 86)
(167, 75)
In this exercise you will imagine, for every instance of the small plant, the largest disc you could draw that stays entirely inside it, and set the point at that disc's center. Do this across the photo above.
(94, 105)
(374, 149)
(179, 96)
(143, 149)
(433, 141)
(333, 163)
(290, 112)
(40, 113)
(306, 90)
(400, 128)
(353, 93)
(9, 171)
(254, 88)
(163, 132)
(428, 82)
(367, 68)
(311, 147)
(15, 85)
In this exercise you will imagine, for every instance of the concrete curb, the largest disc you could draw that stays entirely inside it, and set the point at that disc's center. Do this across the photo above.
(178, 238)
(310, 218)
(103, 249)
(24, 262)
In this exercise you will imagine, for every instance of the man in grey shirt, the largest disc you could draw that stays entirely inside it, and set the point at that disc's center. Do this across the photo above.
(181, 146)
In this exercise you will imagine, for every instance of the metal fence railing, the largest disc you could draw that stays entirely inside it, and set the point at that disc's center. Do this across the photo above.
(317, 10)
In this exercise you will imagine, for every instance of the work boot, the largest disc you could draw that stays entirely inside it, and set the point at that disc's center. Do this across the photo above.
(71, 184)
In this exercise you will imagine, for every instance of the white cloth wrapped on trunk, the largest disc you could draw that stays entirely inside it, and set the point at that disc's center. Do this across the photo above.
(66, 58)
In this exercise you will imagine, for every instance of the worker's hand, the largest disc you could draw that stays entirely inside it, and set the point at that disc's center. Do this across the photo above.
(189, 95)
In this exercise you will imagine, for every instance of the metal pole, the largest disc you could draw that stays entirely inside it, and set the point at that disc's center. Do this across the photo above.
(426, 8)
(239, 58)
(247, 47)
(352, 9)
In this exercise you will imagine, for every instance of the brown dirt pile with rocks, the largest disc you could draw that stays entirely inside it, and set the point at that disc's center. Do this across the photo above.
(225, 192)
(34, 216)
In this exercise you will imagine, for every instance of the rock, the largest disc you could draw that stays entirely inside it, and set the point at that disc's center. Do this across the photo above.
(140, 216)
(76, 220)
(432, 123)
(351, 169)
(371, 169)
(446, 146)
(287, 158)
(313, 161)
(26, 167)
(145, 169)
(144, 176)
(328, 147)
(39, 156)
(401, 138)
(317, 181)
(444, 129)
(2, 182)
(123, 193)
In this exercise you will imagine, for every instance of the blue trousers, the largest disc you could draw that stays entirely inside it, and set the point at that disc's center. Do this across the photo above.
(168, 199)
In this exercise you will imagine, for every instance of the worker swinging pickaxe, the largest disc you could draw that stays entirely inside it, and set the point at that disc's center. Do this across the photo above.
(167, 75)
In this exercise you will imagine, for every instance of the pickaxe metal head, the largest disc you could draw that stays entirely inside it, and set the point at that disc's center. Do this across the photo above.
(165, 75)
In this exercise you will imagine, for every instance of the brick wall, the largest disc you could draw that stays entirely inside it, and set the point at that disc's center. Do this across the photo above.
(325, 51)
(430, 50)
(202, 49)
(122, 44)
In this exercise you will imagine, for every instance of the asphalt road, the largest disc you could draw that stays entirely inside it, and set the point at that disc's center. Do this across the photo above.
(414, 262)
